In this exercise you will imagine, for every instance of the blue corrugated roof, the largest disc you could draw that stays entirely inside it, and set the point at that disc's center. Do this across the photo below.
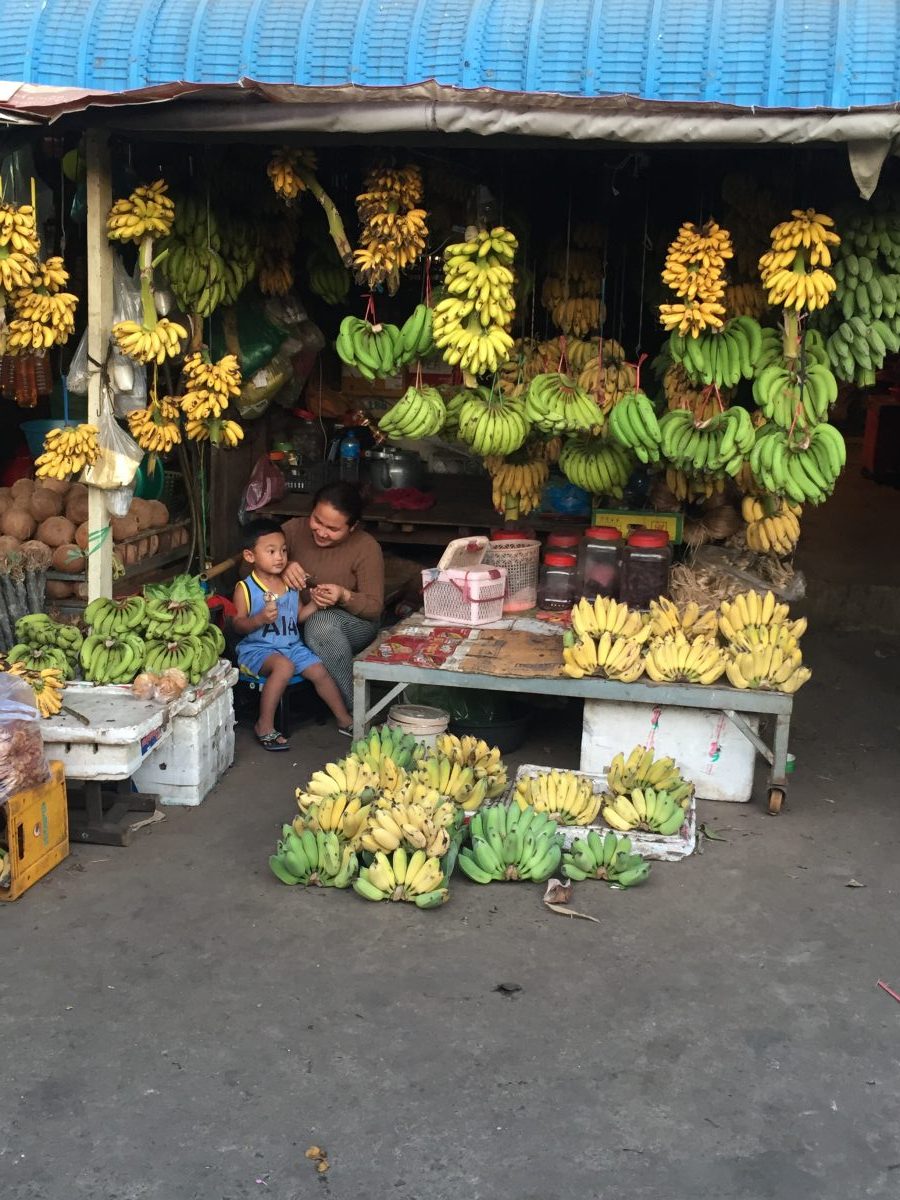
(763, 53)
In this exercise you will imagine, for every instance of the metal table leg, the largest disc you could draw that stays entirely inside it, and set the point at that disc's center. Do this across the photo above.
(778, 777)
(360, 704)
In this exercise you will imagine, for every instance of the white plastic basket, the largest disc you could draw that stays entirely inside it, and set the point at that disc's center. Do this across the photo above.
(459, 590)
(520, 560)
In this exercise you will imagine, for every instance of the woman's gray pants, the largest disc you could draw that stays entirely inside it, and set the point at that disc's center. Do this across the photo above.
(335, 636)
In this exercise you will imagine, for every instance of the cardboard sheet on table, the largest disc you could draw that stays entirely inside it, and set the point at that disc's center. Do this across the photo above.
(511, 653)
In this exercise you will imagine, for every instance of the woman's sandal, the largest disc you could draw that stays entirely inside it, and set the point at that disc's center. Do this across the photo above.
(273, 741)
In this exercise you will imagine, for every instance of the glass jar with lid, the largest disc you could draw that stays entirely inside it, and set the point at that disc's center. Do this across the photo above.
(557, 586)
(600, 562)
(646, 560)
(567, 543)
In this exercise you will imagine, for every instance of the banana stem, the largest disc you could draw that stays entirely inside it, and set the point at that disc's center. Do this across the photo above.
(335, 224)
(791, 337)
(145, 261)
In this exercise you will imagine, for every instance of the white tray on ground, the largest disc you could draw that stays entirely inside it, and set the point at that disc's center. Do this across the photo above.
(649, 845)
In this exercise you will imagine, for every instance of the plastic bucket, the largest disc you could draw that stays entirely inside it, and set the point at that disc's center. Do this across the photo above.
(35, 431)
(423, 723)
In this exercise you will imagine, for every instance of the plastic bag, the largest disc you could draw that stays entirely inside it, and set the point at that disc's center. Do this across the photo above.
(259, 390)
(266, 485)
(119, 457)
(77, 378)
(23, 763)
(118, 501)
(257, 339)
(127, 304)
(123, 371)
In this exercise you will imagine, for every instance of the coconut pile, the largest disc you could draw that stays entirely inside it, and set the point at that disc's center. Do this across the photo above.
(47, 520)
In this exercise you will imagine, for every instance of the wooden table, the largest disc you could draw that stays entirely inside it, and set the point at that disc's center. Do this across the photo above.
(523, 656)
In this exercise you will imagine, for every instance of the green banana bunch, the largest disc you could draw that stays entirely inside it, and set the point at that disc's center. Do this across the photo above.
(722, 357)
(554, 403)
(781, 390)
(492, 423)
(109, 617)
(328, 277)
(609, 858)
(176, 618)
(597, 465)
(633, 424)
(314, 859)
(37, 629)
(644, 808)
(372, 349)
(454, 406)
(193, 262)
(39, 658)
(419, 413)
(416, 335)
(183, 653)
(718, 444)
(415, 878)
(511, 843)
(384, 742)
(643, 769)
(802, 466)
(112, 658)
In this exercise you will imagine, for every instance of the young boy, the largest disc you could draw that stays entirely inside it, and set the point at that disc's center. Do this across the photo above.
(268, 619)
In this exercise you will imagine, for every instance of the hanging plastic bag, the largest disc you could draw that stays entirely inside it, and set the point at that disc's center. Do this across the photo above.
(77, 377)
(266, 485)
(259, 390)
(127, 304)
(118, 501)
(120, 455)
(23, 763)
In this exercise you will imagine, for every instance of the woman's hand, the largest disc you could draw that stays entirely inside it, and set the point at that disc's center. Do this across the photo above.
(327, 595)
(294, 576)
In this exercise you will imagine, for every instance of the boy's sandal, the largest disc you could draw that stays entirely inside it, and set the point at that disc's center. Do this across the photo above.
(272, 741)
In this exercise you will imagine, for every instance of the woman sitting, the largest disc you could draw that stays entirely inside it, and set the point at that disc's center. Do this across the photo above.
(345, 569)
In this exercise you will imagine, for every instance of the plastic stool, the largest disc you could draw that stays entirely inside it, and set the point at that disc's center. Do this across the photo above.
(255, 684)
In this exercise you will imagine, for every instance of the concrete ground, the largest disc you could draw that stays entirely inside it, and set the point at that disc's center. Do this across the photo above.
(175, 1025)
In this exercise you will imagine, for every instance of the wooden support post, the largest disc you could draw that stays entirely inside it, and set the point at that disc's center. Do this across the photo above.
(100, 308)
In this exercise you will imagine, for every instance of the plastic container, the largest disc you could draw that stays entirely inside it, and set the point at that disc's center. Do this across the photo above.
(308, 438)
(646, 560)
(512, 535)
(520, 558)
(568, 542)
(348, 467)
(420, 721)
(558, 584)
(460, 590)
(600, 562)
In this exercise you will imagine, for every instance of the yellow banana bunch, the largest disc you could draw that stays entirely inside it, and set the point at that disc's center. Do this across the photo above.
(749, 609)
(471, 322)
(146, 345)
(773, 527)
(485, 761)
(412, 826)
(745, 300)
(336, 813)
(642, 769)
(67, 451)
(644, 808)
(147, 212)
(275, 278)
(679, 658)
(456, 780)
(282, 170)
(578, 316)
(608, 656)
(156, 428)
(415, 878)
(394, 233)
(680, 392)
(667, 618)
(209, 386)
(608, 381)
(563, 795)
(693, 269)
(350, 776)
(516, 488)
(47, 685)
(692, 487)
(608, 615)
(767, 667)
(43, 315)
(794, 272)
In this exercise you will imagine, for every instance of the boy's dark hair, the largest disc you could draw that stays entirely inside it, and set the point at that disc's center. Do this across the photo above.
(345, 497)
(256, 529)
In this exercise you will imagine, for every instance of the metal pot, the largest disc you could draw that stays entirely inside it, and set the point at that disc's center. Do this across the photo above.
(393, 468)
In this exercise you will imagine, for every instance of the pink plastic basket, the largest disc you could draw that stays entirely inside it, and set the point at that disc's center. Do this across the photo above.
(461, 592)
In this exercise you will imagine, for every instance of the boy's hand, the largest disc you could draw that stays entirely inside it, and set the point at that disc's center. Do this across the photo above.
(294, 576)
(270, 610)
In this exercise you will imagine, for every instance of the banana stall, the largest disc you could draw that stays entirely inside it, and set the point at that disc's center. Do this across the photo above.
(606, 327)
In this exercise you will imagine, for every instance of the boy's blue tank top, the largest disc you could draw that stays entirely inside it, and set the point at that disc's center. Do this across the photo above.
(278, 634)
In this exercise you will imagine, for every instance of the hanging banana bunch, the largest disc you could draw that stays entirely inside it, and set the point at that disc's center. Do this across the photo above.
(394, 233)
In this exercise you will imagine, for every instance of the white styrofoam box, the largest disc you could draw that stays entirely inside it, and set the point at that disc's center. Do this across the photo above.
(122, 730)
(199, 751)
(709, 750)
(655, 846)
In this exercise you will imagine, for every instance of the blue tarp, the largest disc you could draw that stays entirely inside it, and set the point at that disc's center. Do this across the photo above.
(752, 53)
